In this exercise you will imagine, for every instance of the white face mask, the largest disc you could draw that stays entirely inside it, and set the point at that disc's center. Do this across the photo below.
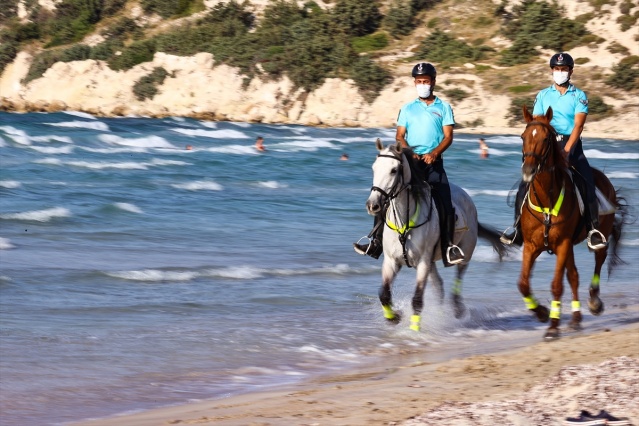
(560, 77)
(423, 90)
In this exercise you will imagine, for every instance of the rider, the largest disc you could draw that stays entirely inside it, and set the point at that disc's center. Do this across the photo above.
(426, 125)
(570, 109)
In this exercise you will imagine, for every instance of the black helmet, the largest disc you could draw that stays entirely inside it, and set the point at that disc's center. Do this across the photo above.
(560, 59)
(424, 68)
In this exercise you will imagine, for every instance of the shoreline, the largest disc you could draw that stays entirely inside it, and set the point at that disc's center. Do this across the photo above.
(405, 388)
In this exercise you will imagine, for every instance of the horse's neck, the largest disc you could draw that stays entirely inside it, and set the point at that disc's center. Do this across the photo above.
(548, 184)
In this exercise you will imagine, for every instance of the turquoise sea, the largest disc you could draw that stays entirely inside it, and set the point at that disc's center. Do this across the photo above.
(136, 274)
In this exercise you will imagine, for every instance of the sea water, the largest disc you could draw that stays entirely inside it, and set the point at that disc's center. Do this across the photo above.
(135, 273)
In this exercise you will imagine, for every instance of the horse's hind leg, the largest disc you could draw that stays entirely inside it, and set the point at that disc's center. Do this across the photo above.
(595, 304)
(573, 278)
(389, 272)
(458, 304)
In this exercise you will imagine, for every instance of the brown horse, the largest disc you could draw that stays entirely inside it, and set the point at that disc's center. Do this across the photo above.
(551, 221)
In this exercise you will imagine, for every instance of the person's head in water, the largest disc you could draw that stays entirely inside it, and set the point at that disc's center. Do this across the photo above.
(259, 143)
(344, 157)
(189, 147)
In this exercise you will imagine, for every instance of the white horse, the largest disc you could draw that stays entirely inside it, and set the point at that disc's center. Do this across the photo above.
(412, 230)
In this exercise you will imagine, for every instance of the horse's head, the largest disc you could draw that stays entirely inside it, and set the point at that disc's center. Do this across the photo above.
(540, 148)
(391, 175)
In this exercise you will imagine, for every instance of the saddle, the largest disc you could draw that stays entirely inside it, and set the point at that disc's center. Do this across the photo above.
(604, 205)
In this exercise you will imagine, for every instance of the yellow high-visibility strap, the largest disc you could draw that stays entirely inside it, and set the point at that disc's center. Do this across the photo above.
(409, 225)
(546, 210)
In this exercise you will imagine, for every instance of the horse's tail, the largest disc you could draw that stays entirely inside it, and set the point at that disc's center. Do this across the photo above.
(622, 217)
(493, 237)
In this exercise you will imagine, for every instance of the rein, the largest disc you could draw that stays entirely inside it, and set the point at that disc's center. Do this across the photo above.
(409, 223)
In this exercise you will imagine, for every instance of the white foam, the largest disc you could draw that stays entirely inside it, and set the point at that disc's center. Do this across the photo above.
(127, 165)
(80, 114)
(634, 242)
(239, 272)
(595, 153)
(128, 207)
(163, 162)
(146, 142)
(50, 138)
(497, 193)
(96, 125)
(5, 244)
(39, 215)
(154, 275)
(53, 150)
(622, 175)
(17, 135)
(9, 184)
(272, 184)
(199, 186)
(53, 161)
(218, 134)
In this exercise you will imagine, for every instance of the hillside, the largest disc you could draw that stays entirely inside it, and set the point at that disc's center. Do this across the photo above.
(467, 40)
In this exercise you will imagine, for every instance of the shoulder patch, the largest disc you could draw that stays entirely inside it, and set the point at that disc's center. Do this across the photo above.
(584, 101)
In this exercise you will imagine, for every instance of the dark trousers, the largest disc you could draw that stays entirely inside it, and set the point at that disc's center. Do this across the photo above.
(435, 175)
(578, 160)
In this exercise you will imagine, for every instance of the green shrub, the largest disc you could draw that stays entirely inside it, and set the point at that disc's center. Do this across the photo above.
(515, 115)
(357, 17)
(618, 48)
(8, 10)
(625, 74)
(8, 52)
(581, 61)
(369, 77)
(137, 53)
(47, 58)
(146, 87)
(597, 106)
(167, 8)
(525, 88)
(456, 95)
(441, 47)
(400, 19)
(73, 20)
(369, 43)
(628, 21)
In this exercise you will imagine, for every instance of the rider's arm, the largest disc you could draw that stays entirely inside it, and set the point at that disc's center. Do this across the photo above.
(443, 146)
(580, 120)
(400, 136)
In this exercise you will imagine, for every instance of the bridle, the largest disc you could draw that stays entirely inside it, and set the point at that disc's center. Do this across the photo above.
(394, 190)
(541, 159)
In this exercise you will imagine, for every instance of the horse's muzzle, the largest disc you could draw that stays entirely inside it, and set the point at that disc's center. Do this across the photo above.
(373, 206)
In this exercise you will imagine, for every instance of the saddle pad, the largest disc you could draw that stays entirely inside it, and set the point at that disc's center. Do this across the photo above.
(605, 206)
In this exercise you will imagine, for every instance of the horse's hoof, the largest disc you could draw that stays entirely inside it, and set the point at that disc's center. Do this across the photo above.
(596, 306)
(396, 319)
(574, 326)
(542, 313)
(551, 334)
(458, 306)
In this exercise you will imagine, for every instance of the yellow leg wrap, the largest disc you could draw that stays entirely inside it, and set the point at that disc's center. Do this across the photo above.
(555, 309)
(457, 286)
(531, 302)
(414, 322)
(576, 306)
(595, 281)
(388, 312)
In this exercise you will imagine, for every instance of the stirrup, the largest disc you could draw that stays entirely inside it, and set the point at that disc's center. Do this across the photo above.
(598, 246)
(358, 244)
(508, 239)
(455, 261)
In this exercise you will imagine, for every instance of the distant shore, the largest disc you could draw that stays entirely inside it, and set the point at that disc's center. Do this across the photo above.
(541, 383)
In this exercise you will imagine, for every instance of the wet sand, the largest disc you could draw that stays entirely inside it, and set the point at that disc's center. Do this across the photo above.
(541, 383)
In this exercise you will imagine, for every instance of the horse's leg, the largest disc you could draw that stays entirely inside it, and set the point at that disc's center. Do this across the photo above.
(389, 272)
(458, 304)
(563, 253)
(573, 278)
(422, 270)
(528, 260)
(595, 304)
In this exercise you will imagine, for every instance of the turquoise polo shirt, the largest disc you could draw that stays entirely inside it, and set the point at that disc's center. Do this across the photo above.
(564, 107)
(425, 123)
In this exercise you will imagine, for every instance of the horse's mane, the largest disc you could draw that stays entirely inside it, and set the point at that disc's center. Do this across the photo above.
(419, 187)
(560, 160)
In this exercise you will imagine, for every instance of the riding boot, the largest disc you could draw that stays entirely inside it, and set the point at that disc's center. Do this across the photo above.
(374, 248)
(596, 240)
(454, 254)
(512, 234)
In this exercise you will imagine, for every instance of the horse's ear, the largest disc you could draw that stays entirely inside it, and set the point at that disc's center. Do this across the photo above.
(527, 115)
(549, 114)
(398, 147)
(378, 144)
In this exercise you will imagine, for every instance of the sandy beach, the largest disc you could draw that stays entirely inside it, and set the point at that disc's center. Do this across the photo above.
(539, 383)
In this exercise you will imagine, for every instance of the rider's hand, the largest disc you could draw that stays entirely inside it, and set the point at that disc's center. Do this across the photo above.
(429, 158)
